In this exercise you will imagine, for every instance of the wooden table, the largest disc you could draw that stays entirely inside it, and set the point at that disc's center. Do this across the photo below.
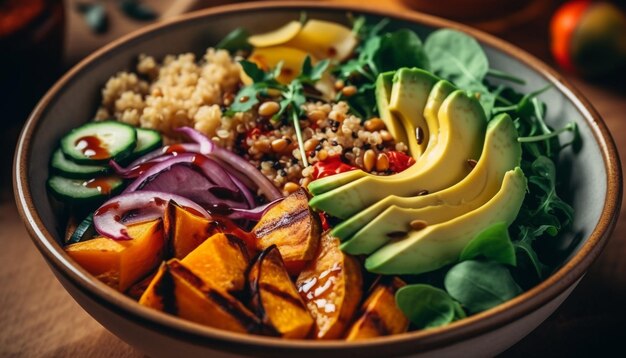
(38, 318)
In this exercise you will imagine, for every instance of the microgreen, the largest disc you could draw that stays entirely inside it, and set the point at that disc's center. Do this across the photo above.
(293, 94)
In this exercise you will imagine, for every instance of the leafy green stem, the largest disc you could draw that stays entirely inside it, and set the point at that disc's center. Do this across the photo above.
(505, 76)
(570, 127)
(296, 126)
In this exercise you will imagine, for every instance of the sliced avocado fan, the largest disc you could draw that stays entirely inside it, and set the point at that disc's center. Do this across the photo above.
(438, 245)
(370, 229)
(462, 125)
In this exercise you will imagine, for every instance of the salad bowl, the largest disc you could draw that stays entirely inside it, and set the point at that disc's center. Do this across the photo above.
(595, 181)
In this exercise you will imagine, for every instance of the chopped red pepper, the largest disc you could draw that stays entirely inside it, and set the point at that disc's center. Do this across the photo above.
(324, 221)
(399, 161)
(330, 166)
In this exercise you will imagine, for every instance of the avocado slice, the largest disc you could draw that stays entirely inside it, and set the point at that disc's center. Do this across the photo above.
(409, 94)
(368, 230)
(462, 125)
(438, 245)
(384, 84)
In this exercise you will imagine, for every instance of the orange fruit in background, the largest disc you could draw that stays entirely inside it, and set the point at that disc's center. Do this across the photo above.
(589, 38)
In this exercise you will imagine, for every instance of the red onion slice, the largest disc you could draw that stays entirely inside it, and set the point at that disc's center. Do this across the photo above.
(238, 163)
(150, 204)
(210, 168)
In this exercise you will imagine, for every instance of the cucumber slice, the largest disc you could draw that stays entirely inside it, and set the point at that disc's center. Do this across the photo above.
(69, 169)
(82, 191)
(99, 142)
(84, 231)
(147, 141)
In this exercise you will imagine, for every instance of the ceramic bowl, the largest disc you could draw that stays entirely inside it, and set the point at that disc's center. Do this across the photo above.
(595, 179)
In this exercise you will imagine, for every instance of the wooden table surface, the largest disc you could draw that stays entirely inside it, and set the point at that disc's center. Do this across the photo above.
(38, 318)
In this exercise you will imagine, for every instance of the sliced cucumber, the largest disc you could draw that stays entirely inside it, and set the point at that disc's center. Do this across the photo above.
(69, 169)
(99, 142)
(84, 231)
(82, 191)
(147, 141)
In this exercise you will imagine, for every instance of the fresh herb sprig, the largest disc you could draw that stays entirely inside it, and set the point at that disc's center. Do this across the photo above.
(293, 94)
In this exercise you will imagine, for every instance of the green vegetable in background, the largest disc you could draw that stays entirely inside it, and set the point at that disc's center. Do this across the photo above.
(236, 40)
(479, 285)
(427, 306)
(493, 243)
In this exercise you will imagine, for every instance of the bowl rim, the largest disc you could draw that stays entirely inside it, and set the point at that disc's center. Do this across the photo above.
(477, 324)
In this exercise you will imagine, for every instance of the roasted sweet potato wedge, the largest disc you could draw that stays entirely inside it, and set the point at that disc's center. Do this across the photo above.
(221, 259)
(379, 315)
(331, 286)
(177, 290)
(186, 230)
(275, 297)
(294, 228)
(119, 264)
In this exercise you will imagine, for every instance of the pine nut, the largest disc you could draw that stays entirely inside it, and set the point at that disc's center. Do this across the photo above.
(374, 124)
(385, 135)
(418, 225)
(369, 159)
(269, 108)
(339, 84)
(290, 187)
(349, 91)
(278, 145)
(310, 144)
(382, 162)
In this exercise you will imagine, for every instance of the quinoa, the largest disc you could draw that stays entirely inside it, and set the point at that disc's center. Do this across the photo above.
(181, 91)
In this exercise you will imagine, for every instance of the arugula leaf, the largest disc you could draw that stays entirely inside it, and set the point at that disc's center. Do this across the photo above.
(493, 243)
(236, 40)
(524, 247)
(551, 205)
(480, 285)
(427, 306)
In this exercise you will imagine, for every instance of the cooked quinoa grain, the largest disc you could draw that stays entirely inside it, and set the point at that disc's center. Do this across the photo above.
(184, 91)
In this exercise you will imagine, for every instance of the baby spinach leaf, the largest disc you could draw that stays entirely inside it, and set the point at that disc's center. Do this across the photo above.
(236, 40)
(479, 285)
(402, 48)
(457, 57)
(427, 306)
(493, 243)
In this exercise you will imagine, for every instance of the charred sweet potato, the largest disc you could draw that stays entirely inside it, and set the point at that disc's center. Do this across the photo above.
(275, 297)
(221, 259)
(178, 291)
(379, 314)
(186, 230)
(294, 228)
(119, 264)
(331, 286)
(158, 291)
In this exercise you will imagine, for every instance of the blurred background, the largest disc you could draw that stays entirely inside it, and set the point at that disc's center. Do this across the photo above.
(41, 39)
